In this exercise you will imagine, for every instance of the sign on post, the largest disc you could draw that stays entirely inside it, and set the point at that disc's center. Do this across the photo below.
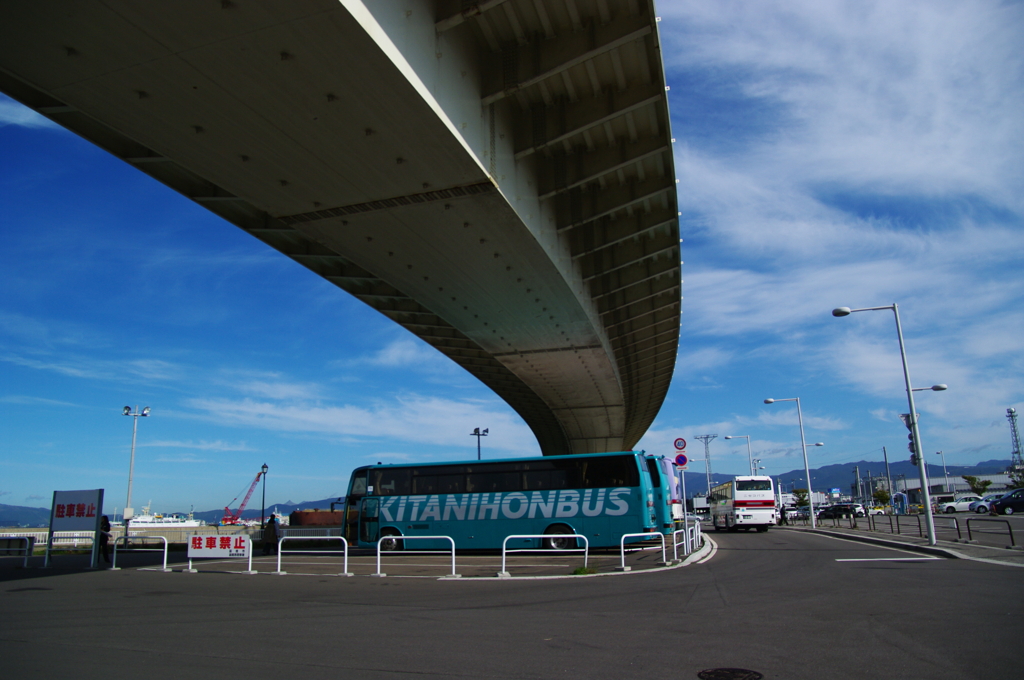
(219, 547)
(76, 511)
(680, 444)
(681, 461)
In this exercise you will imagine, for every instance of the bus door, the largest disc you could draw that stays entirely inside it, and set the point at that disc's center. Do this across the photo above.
(368, 520)
(662, 495)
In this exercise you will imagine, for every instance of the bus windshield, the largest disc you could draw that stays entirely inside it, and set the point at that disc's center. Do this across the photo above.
(753, 485)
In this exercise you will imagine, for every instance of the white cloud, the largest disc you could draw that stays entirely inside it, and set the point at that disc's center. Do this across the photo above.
(200, 445)
(13, 113)
(411, 418)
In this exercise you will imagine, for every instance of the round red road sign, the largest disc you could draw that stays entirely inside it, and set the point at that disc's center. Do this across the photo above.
(680, 444)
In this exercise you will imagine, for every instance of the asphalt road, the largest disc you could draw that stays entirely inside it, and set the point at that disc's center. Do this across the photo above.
(779, 603)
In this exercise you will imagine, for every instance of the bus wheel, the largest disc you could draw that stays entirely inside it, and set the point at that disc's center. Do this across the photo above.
(389, 543)
(763, 528)
(557, 541)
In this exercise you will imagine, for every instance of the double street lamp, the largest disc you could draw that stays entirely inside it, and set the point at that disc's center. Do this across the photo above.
(803, 446)
(915, 432)
(750, 458)
(477, 432)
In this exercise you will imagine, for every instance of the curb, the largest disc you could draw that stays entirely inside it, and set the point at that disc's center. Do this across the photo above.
(913, 547)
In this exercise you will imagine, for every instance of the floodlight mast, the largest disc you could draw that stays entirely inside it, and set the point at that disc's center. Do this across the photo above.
(127, 411)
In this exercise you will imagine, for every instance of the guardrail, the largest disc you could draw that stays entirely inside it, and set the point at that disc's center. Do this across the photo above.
(649, 536)
(504, 572)
(280, 550)
(114, 566)
(1013, 544)
(29, 542)
(418, 552)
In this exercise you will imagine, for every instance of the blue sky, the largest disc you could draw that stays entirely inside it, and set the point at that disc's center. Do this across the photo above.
(828, 153)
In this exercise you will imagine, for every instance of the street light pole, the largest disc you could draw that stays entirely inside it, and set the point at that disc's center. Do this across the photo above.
(127, 411)
(946, 474)
(912, 416)
(803, 446)
(750, 458)
(263, 505)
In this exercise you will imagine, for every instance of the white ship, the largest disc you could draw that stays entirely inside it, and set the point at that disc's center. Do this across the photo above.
(174, 520)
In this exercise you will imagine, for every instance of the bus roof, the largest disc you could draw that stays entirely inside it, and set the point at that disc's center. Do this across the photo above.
(527, 459)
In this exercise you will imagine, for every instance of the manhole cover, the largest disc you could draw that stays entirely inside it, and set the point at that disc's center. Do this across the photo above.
(729, 674)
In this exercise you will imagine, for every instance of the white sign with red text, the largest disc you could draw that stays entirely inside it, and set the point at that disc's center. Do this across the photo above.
(76, 510)
(219, 546)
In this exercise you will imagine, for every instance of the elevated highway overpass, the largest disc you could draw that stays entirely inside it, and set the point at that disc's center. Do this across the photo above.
(494, 176)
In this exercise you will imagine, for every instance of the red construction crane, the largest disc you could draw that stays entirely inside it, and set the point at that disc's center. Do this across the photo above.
(236, 516)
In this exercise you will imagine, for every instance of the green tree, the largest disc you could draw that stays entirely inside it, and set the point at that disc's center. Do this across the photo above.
(801, 497)
(977, 486)
(882, 496)
(1016, 479)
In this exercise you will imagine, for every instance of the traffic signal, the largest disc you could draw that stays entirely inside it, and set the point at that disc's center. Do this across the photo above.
(910, 445)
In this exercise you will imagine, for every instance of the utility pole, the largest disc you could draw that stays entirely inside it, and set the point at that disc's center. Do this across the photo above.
(706, 438)
(860, 491)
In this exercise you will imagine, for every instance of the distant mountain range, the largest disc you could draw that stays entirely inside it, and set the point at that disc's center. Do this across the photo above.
(840, 475)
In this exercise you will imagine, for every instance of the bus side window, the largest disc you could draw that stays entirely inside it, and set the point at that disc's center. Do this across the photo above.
(391, 482)
(424, 484)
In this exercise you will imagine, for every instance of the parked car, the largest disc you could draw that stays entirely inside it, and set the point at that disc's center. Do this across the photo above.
(803, 513)
(959, 505)
(842, 510)
(876, 511)
(1009, 504)
(985, 504)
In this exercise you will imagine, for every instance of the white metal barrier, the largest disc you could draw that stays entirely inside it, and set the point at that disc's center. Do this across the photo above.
(29, 542)
(648, 535)
(114, 566)
(418, 552)
(690, 541)
(280, 550)
(585, 549)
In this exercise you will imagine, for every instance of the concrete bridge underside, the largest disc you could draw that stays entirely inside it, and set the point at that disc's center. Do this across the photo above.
(494, 176)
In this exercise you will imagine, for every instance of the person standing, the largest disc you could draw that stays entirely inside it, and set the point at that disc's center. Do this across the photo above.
(105, 538)
(270, 536)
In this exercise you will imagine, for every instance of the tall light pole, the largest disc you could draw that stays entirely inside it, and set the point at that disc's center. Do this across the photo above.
(803, 446)
(477, 432)
(127, 411)
(750, 458)
(945, 474)
(912, 416)
(263, 506)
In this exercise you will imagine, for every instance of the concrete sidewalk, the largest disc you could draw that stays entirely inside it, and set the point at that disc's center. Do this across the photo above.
(363, 563)
(950, 549)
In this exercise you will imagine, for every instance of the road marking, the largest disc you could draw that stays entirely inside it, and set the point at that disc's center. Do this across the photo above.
(887, 559)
